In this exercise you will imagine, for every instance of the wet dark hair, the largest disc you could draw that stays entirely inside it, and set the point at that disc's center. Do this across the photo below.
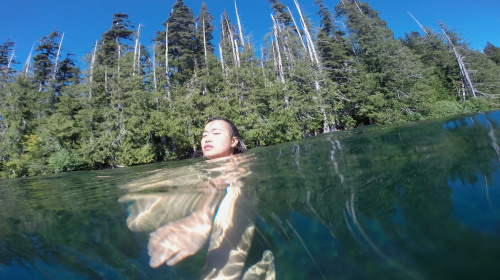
(240, 148)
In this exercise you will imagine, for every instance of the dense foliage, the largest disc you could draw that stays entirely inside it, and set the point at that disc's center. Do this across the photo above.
(134, 105)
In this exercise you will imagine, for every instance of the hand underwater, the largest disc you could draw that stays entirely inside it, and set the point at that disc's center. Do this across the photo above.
(179, 239)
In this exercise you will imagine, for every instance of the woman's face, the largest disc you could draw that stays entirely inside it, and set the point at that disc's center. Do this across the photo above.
(216, 141)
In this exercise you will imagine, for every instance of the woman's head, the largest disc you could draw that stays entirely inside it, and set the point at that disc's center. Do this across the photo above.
(221, 138)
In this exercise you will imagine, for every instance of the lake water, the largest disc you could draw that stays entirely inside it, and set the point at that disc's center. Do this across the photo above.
(419, 201)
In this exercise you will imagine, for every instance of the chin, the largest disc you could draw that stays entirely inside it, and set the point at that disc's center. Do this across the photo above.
(216, 156)
(210, 155)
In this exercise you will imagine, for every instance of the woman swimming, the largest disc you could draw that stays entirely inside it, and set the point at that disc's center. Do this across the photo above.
(232, 229)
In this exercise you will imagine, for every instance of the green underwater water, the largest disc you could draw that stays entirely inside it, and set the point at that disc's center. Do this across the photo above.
(418, 201)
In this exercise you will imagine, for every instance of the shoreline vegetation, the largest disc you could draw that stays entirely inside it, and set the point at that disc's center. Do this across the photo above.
(134, 104)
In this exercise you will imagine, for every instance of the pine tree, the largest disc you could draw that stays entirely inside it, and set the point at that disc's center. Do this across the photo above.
(104, 113)
(442, 71)
(282, 15)
(333, 47)
(337, 61)
(44, 61)
(18, 118)
(493, 52)
(110, 45)
(182, 42)
(6, 72)
(45, 65)
(228, 47)
(388, 85)
(6, 61)
(204, 36)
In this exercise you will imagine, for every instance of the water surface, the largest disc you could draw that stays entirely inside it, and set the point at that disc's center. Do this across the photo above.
(419, 201)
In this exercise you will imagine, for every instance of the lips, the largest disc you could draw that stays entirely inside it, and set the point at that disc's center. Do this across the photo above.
(207, 147)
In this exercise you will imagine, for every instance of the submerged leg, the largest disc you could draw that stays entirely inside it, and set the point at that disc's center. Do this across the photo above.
(231, 236)
(263, 270)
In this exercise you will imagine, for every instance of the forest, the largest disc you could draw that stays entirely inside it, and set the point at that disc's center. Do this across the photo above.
(132, 104)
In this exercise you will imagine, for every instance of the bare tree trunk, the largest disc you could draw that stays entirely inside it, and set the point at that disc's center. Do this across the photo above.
(308, 47)
(311, 46)
(106, 94)
(239, 25)
(92, 62)
(166, 51)
(275, 61)
(233, 46)
(167, 67)
(238, 62)
(298, 31)
(308, 35)
(53, 98)
(286, 45)
(139, 59)
(205, 45)
(222, 26)
(11, 58)
(425, 31)
(278, 53)
(463, 70)
(262, 66)
(119, 55)
(222, 61)
(137, 50)
(356, 3)
(54, 71)
(27, 63)
(154, 68)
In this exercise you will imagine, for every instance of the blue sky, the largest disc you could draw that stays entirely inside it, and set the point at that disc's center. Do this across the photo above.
(83, 22)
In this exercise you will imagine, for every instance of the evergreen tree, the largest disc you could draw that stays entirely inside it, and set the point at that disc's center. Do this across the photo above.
(110, 46)
(228, 49)
(492, 52)
(281, 12)
(67, 74)
(438, 59)
(388, 85)
(58, 133)
(485, 78)
(204, 36)
(182, 42)
(43, 132)
(326, 18)
(6, 61)
(45, 69)
(18, 118)
(44, 61)
(333, 47)
(104, 113)
(440, 73)
(337, 60)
